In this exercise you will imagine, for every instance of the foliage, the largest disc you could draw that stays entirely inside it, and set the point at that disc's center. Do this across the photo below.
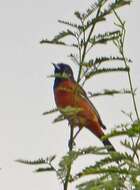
(114, 170)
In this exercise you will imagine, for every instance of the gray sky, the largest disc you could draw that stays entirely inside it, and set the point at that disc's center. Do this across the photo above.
(26, 92)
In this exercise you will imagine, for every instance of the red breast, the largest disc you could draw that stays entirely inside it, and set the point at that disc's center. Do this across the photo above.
(65, 95)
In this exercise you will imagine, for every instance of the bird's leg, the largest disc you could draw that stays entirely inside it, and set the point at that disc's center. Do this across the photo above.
(76, 134)
(73, 137)
(71, 141)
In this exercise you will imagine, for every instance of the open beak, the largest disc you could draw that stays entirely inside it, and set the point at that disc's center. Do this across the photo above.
(56, 66)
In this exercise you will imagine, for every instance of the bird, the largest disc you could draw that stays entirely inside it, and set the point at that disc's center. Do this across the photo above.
(69, 95)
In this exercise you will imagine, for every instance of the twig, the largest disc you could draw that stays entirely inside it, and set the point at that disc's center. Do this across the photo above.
(70, 164)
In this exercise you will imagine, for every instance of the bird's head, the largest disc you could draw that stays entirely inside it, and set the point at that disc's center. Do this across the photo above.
(63, 71)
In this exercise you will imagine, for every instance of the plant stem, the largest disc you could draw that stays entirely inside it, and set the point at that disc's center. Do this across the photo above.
(86, 44)
(70, 164)
(131, 88)
(121, 49)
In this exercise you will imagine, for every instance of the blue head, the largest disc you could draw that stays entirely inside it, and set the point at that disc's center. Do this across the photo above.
(63, 71)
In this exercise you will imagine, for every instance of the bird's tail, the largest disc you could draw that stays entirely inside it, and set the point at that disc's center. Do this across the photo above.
(96, 130)
(108, 145)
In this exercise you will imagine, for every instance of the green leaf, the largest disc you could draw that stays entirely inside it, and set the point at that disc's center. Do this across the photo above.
(91, 170)
(90, 10)
(46, 41)
(127, 144)
(122, 130)
(107, 92)
(114, 157)
(106, 37)
(38, 161)
(93, 21)
(44, 169)
(92, 150)
(63, 34)
(137, 185)
(78, 15)
(131, 131)
(104, 182)
(120, 3)
(115, 5)
(99, 60)
(57, 39)
(34, 162)
(135, 129)
(50, 111)
(65, 163)
(73, 25)
(59, 118)
(105, 70)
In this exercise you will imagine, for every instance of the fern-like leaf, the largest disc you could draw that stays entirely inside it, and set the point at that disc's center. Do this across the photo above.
(59, 36)
(125, 129)
(64, 165)
(73, 25)
(106, 70)
(107, 92)
(50, 111)
(93, 21)
(78, 15)
(120, 3)
(99, 60)
(46, 41)
(106, 37)
(90, 10)
(57, 39)
(114, 158)
(91, 170)
(44, 169)
(63, 34)
(92, 150)
(115, 5)
(29, 162)
(59, 118)
(103, 182)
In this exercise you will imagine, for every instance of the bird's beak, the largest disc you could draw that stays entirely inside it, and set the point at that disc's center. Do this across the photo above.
(56, 66)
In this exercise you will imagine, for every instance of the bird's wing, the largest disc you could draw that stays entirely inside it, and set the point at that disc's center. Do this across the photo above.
(83, 94)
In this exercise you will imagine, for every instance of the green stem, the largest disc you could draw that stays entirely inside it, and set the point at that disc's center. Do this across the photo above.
(121, 48)
(70, 164)
(132, 90)
(86, 44)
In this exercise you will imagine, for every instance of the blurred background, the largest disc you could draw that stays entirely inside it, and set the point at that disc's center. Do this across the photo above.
(26, 92)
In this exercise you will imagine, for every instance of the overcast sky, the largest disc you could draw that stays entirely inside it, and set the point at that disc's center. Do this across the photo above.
(26, 92)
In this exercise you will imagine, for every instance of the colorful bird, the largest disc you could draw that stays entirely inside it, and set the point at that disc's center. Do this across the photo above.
(72, 101)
